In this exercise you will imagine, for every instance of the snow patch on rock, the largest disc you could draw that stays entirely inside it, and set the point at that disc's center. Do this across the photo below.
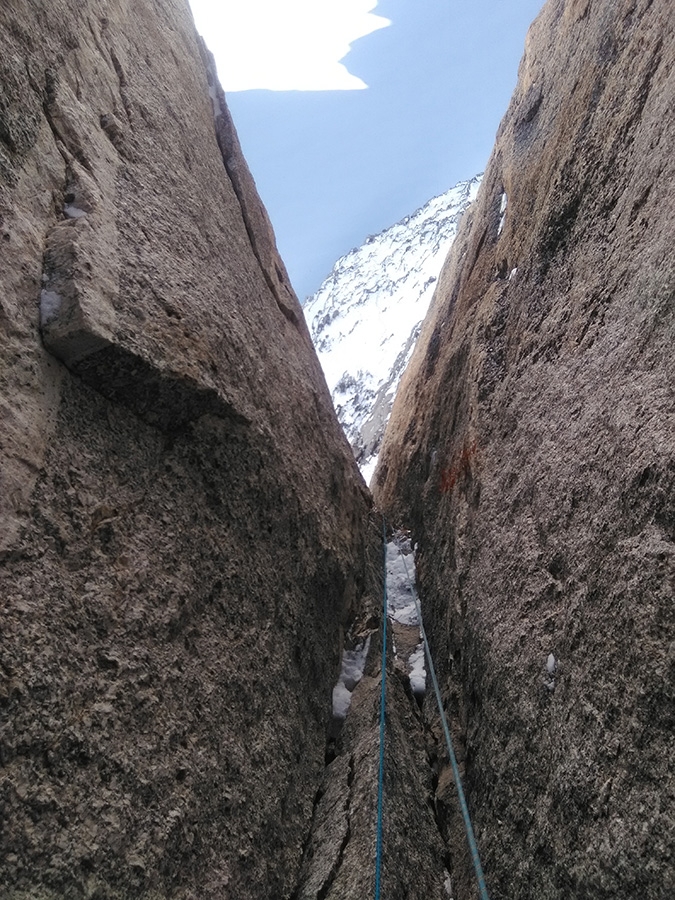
(74, 212)
(418, 672)
(353, 664)
(400, 598)
(50, 306)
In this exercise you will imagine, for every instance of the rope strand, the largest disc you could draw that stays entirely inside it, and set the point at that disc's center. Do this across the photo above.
(471, 839)
(380, 777)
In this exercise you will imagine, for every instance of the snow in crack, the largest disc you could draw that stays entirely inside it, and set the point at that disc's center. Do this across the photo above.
(418, 672)
(400, 598)
(353, 664)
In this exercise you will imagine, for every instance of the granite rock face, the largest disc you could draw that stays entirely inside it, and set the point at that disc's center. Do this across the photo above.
(184, 535)
(531, 450)
(339, 858)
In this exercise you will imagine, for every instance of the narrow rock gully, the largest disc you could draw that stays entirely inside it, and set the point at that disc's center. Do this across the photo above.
(421, 844)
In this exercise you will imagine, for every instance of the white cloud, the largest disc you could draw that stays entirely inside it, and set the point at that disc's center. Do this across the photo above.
(285, 45)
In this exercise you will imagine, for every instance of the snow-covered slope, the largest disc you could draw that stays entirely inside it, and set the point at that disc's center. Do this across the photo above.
(366, 316)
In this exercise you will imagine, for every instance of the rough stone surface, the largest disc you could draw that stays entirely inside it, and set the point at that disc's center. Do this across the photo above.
(183, 532)
(532, 451)
(339, 861)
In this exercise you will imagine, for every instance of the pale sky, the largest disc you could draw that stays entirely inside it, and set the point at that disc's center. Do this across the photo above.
(285, 45)
(353, 113)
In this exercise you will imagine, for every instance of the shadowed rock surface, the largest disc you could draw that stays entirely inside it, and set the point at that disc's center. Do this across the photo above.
(531, 450)
(339, 861)
(184, 533)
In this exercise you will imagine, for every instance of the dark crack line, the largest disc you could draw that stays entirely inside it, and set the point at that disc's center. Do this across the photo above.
(335, 871)
(227, 157)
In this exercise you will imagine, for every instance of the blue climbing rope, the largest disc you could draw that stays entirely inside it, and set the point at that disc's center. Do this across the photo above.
(380, 777)
(471, 838)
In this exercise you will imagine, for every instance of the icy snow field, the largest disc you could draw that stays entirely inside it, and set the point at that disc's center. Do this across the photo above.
(366, 316)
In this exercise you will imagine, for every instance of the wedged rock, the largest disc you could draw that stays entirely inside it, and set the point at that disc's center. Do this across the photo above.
(184, 535)
(531, 450)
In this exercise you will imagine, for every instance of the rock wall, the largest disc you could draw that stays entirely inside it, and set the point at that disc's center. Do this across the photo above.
(532, 451)
(183, 532)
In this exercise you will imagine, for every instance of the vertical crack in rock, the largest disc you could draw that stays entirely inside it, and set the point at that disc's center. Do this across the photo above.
(332, 875)
(255, 217)
(123, 86)
(339, 857)
(66, 137)
(330, 831)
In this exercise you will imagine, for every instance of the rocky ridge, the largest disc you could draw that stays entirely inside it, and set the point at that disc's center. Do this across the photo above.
(366, 316)
(531, 450)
